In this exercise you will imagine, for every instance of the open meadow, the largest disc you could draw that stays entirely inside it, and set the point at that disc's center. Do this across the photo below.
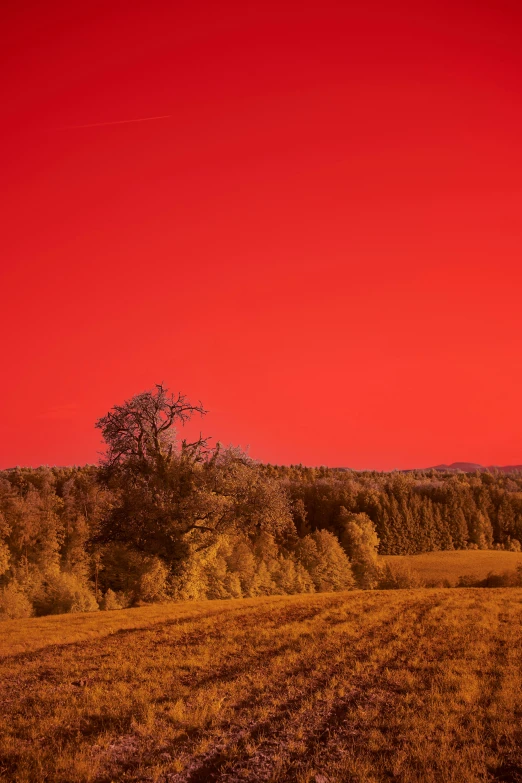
(450, 565)
(410, 685)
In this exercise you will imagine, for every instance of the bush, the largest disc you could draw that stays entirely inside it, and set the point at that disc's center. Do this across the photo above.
(110, 601)
(205, 574)
(291, 578)
(361, 543)
(190, 583)
(468, 580)
(497, 580)
(398, 576)
(64, 593)
(134, 577)
(14, 604)
(506, 579)
(323, 557)
(152, 585)
(5, 558)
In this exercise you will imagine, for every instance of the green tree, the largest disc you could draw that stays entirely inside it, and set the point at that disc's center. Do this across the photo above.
(361, 543)
(323, 557)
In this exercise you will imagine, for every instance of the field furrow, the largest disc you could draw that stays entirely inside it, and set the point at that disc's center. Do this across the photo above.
(418, 686)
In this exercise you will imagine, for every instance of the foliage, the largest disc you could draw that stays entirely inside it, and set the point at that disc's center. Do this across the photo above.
(164, 518)
(5, 558)
(172, 496)
(361, 543)
(110, 601)
(63, 593)
(14, 604)
(321, 554)
(398, 576)
(140, 433)
(504, 579)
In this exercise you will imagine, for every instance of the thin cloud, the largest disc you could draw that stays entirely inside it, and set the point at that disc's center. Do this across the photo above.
(67, 410)
(115, 122)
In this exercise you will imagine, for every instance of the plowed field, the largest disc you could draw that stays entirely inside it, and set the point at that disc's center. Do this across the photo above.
(420, 686)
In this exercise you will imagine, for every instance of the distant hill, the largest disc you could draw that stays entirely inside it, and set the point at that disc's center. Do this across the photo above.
(471, 467)
(455, 467)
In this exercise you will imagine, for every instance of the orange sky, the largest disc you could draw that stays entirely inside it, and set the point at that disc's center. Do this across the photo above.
(322, 240)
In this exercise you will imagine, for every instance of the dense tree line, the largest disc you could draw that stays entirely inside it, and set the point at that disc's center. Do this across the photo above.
(162, 518)
(65, 545)
(413, 512)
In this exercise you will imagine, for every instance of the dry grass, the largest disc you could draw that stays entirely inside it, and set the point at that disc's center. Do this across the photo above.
(33, 634)
(413, 686)
(438, 566)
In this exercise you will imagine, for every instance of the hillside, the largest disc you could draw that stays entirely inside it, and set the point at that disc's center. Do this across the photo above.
(471, 467)
(415, 686)
(438, 566)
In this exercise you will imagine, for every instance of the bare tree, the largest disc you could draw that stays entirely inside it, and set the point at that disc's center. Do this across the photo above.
(170, 496)
(141, 432)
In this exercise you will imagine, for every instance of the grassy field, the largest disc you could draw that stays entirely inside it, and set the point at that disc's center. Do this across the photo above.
(420, 685)
(29, 635)
(450, 565)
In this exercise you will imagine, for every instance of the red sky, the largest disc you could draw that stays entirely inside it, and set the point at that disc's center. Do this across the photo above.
(322, 241)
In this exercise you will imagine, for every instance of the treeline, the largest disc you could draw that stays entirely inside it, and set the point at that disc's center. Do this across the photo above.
(163, 519)
(64, 546)
(413, 512)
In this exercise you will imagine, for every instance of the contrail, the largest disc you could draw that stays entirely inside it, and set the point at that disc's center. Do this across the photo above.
(114, 122)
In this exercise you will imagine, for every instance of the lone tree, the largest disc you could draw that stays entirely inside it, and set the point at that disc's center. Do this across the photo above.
(141, 434)
(171, 497)
(149, 471)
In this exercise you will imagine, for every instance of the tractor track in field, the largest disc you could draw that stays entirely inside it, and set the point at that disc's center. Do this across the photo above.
(274, 733)
(326, 717)
(227, 673)
(413, 686)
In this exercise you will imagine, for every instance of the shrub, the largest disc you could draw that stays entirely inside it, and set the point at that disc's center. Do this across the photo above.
(134, 577)
(498, 580)
(468, 580)
(505, 579)
(206, 575)
(152, 584)
(242, 562)
(323, 557)
(399, 576)
(14, 604)
(64, 593)
(291, 578)
(361, 543)
(303, 581)
(236, 567)
(110, 601)
(5, 558)
(190, 583)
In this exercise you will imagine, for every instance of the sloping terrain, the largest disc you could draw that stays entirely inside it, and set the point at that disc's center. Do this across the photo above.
(451, 565)
(471, 467)
(399, 685)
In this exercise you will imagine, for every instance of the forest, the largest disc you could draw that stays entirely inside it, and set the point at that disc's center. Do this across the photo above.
(164, 519)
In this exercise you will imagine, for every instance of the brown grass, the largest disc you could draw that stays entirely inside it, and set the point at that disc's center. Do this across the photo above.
(414, 686)
(33, 634)
(439, 566)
